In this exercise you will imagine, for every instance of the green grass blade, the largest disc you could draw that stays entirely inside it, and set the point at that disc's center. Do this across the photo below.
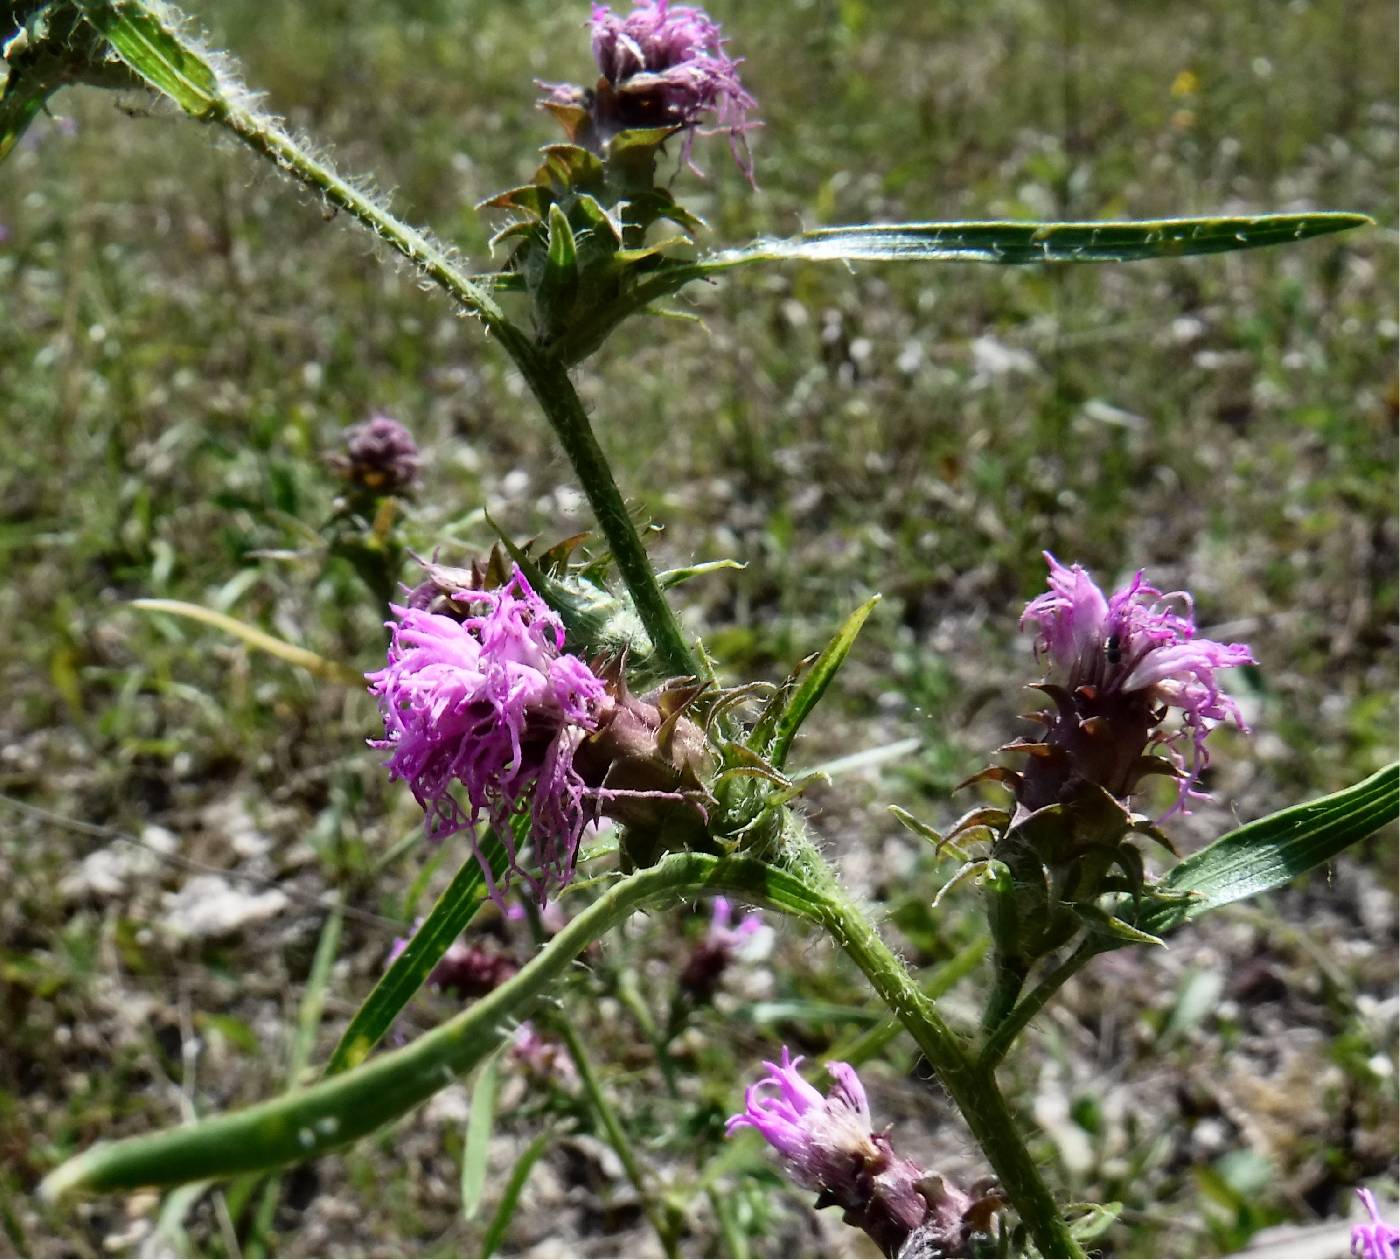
(1269, 852)
(510, 1197)
(476, 1145)
(304, 658)
(1016, 243)
(308, 1122)
(459, 902)
(815, 682)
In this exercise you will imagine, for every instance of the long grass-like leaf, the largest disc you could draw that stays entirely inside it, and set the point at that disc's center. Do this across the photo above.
(510, 1196)
(312, 662)
(459, 902)
(990, 241)
(1269, 852)
(1015, 243)
(476, 1145)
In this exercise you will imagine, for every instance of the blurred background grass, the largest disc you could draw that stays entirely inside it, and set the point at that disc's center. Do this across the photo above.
(183, 337)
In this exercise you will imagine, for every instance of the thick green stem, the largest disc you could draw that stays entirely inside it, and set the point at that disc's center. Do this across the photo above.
(1006, 1028)
(667, 1230)
(972, 1088)
(1008, 979)
(555, 392)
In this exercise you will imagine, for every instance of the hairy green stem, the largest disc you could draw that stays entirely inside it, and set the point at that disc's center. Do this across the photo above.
(1007, 1028)
(667, 1228)
(546, 375)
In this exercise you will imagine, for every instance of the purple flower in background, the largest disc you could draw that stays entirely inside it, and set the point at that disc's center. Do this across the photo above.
(1376, 1241)
(721, 935)
(541, 1058)
(492, 706)
(702, 971)
(664, 65)
(380, 456)
(827, 1146)
(1117, 664)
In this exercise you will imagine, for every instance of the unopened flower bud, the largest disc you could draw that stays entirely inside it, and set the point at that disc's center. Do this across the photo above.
(380, 457)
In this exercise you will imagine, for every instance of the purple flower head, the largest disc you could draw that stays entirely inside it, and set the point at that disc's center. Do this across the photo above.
(380, 456)
(664, 65)
(1376, 1241)
(491, 707)
(827, 1145)
(1117, 664)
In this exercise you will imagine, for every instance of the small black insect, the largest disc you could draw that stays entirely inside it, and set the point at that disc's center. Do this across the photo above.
(1113, 649)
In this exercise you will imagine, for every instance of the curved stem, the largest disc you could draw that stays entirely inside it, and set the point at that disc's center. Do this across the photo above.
(307, 1122)
(1005, 1030)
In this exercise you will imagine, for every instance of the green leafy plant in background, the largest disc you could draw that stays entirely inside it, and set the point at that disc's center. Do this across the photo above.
(694, 770)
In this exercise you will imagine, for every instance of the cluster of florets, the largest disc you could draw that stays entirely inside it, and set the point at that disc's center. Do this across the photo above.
(492, 706)
(1377, 1239)
(380, 457)
(828, 1146)
(662, 66)
(1118, 664)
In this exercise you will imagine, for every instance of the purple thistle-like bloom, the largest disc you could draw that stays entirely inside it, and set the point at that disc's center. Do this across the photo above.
(380, 456)
(1117, 663)
(493, 706)
(1376, 1241)
(827, 1145)
(665, 66)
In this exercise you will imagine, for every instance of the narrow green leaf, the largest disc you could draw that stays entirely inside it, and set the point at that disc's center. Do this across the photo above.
(674, 577)
(1269, 852)
(510, 1196)
(157, 54)
(1100, 922)
(459, 902)
(815, 682)
(306, 659)
(337, 1110)
(313, 1000)
(20, 102)
(1016, 243)
(476, 1145)
(981, 242)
